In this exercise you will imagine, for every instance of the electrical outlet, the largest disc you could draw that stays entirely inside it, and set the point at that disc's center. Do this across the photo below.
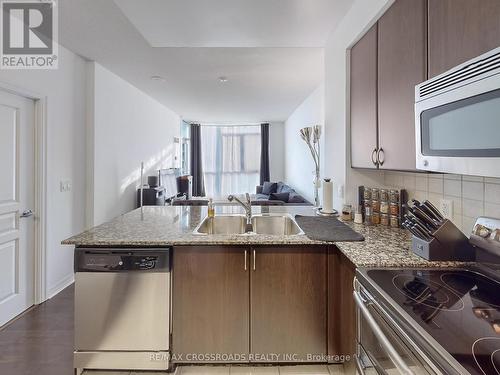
(340, 191)
(446, 208)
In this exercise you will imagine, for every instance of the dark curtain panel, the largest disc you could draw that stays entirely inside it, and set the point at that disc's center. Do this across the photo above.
(264, 153)
(196, 162)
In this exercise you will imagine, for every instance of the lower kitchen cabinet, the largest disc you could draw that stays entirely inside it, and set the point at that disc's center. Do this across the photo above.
(341, 307)
(210, 303)
(262, 304)
(288, 288)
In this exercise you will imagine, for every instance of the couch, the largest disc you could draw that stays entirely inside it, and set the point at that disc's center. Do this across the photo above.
(278, 194)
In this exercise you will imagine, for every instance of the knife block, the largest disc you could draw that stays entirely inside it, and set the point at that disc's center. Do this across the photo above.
(448, 244)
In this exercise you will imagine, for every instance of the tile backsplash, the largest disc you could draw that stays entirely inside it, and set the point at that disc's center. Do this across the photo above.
(471, 196)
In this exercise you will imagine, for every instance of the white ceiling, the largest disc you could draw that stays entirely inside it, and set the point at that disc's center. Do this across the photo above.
(264, 84)
(233, 23)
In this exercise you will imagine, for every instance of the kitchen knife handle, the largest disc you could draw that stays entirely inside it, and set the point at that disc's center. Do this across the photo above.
(433, 208)
(423, 217)
(415, 202)
(429, 213)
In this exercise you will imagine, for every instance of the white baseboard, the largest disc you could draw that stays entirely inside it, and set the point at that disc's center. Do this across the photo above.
(56, 289)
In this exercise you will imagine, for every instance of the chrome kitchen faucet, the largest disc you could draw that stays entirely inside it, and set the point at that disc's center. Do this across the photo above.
(248, 209)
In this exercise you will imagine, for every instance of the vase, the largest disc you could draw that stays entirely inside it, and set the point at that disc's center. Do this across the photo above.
(317, 185)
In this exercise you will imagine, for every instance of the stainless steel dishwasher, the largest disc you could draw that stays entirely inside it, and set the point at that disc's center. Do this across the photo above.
(122, 314)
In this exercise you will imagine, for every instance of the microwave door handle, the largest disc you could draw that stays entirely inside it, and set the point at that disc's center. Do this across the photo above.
(384, 341)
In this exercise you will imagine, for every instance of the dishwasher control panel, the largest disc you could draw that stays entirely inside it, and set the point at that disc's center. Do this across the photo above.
(114, 260)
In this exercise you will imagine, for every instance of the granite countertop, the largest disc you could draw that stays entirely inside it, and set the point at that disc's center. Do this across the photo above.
(162, 226)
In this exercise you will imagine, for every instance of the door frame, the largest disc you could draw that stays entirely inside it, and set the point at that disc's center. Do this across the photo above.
(40, 178)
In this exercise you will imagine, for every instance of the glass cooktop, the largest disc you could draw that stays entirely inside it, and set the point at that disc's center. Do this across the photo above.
(459, 309)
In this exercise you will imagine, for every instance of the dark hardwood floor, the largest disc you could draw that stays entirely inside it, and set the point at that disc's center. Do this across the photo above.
(40, 341)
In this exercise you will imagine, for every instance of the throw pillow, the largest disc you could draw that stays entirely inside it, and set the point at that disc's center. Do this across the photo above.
(280, 187)
(295, 198)
(269, 187)
(286, 189)
(279, 197)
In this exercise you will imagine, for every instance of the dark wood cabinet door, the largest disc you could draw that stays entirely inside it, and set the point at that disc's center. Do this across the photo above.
(460, 30)
(402, 56)
(210, 302)
(288, 303)
(341, 307)
(364, 100)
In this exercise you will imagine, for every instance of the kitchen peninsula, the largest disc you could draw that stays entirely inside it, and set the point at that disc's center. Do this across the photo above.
(242, 297)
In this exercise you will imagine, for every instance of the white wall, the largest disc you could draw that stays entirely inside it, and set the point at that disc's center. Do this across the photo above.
(299, 165)
(276, 151)
(65, 92)
(362, 15)
(128, 127)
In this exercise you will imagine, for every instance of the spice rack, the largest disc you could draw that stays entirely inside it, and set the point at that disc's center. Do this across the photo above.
(382, 206)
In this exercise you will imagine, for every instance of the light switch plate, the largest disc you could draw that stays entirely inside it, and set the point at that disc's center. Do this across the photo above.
(65, 186)
(446, 208)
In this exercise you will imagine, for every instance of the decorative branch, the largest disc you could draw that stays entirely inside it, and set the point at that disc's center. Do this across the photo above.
(312, 135)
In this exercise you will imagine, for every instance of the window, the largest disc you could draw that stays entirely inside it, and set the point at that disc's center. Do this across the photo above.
(231, 159)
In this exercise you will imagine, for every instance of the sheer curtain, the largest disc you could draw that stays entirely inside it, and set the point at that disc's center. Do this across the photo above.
(231, 159)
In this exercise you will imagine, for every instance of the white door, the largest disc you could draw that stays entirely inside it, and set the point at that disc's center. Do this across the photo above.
(17, 119)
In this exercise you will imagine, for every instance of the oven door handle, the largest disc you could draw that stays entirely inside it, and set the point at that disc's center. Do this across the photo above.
(384, 341)
(359, 366)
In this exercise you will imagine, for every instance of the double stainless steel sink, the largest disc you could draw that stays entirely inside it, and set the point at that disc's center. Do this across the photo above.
(278, 225)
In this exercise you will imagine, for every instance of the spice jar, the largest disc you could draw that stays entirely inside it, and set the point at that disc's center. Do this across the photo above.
(384, 207)
(368, 209)
(384, 195)
(394, 209)
(375, 194)
(347, 212)
(367, 194)
(394, 195)
(394, 221)
(384, 220)
(375, 206)
(376, 218)
(368, 219)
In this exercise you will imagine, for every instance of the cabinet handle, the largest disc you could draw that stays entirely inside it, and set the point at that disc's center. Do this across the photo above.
(246, 253)
(381, 162)
(374, 153)
(254, 259)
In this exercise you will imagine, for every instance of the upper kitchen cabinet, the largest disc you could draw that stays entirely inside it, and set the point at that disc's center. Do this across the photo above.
(460, 30)
(402, 56)
(364, 101)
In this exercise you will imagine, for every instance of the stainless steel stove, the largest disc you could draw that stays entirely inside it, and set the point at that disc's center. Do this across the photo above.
(433, 321)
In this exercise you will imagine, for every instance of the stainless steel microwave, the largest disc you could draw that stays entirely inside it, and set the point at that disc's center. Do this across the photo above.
(457, 119)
